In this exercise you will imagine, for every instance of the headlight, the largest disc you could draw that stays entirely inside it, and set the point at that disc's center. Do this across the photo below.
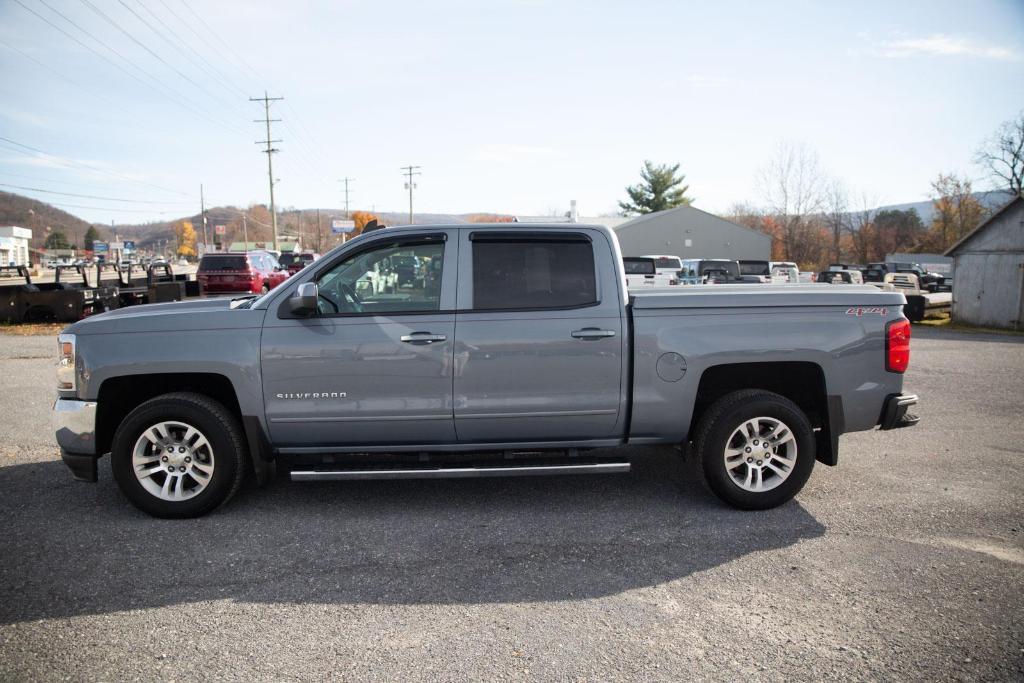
(66, 362)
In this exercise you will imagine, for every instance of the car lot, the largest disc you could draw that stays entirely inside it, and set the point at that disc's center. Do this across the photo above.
(906, 561)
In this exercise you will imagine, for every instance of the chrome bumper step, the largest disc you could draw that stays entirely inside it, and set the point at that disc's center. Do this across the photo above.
(459, 472)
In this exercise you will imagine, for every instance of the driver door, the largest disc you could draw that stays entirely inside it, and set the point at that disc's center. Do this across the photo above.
(374, 364)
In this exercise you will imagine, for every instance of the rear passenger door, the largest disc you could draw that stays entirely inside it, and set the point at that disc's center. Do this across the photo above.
(539, 338)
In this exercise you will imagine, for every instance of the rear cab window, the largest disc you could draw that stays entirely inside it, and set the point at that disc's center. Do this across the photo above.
(532, 271)
(638, 266)
(215, 262)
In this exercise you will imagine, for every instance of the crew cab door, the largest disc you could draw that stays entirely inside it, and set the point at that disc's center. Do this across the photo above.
(374, 364)
(539, 337)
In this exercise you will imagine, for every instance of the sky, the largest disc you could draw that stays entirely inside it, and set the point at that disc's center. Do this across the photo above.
(507, 106)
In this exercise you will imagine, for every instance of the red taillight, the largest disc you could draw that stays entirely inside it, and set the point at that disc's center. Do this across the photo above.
(897, 346)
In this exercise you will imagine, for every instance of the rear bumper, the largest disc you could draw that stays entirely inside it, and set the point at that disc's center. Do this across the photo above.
(895, 413)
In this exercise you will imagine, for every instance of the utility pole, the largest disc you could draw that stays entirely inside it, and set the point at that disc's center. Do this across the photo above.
(245, 233)
(202, 216)
(269, 151)
(409, 172)
(346, 181)
(319, 237)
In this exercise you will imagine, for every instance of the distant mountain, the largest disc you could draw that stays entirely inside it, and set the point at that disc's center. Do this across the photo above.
(38, 216)
(992, 199)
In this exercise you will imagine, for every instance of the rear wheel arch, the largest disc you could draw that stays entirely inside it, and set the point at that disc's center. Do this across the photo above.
(802, 382)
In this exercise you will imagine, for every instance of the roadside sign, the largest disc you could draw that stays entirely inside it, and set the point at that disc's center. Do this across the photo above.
(220, 229)
(339, 226)
(99, 247)
(129, 245)
(117, 246)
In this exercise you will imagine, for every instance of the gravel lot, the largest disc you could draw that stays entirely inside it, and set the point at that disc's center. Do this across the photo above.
(905, 562)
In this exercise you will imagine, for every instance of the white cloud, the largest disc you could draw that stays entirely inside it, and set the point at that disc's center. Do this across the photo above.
(945, 45)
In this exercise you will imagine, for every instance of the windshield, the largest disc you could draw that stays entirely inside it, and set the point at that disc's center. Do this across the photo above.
(668, 262)
(753, 268)
(638, 266)
(718, 268)
(287, 259)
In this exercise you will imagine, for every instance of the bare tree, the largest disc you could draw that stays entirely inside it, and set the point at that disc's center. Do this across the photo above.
(1003, 156)
(792, 184)
(836, 214)
(861, 227)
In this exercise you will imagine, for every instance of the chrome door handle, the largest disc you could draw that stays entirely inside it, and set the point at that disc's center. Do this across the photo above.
(423, 338)
(592, 333)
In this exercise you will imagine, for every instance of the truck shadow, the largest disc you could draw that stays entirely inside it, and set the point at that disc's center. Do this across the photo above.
(73, 549)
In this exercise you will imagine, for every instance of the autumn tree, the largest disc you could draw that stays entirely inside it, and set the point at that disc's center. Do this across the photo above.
(1003, 156)
(957, 211)
(661, 188)
(361, 218)
(793, 187)
(185, 235)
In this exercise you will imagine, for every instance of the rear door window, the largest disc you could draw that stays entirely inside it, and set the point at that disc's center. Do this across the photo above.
(214, 263)
(516, 273)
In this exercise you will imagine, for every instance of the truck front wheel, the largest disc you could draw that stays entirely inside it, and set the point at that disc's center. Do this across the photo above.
(178, 455)
(756, 448)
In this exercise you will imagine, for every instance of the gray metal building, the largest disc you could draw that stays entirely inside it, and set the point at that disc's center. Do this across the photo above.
(988, 271)
(691, 233)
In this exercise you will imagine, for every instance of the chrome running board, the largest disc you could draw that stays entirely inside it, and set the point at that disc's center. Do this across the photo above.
(459, 472)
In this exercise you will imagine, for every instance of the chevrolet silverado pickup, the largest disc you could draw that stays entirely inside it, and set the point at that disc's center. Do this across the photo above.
(523, 353)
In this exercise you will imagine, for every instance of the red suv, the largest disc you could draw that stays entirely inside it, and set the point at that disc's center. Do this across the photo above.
(255, 272)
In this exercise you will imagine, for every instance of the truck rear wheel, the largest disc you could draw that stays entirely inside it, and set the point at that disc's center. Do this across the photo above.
(178, 455)
(756, 449)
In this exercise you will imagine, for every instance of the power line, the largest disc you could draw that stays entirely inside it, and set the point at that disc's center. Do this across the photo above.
(71, 162)
(88, 196)
(177, 98)
(145, 47)
(269, 151)
(216, 73)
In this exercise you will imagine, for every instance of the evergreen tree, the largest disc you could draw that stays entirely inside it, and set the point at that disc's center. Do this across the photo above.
(658, 190)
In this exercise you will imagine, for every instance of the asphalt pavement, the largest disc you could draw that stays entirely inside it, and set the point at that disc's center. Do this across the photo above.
(904, 562)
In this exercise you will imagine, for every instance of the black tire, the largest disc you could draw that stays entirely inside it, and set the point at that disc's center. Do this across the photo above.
(208, 416)
(726, 415)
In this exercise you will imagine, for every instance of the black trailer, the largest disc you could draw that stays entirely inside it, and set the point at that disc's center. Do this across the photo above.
(23, 301)
(105, 297)
(154, 284)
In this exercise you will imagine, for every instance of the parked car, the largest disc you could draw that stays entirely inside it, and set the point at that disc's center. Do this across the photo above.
(841, 277)
(929, 281)
(255, 272)
(785, 272)
(755, 271)
(713, 271)
(642, 271)
(296, 262)
(666, 264)
(528, 354)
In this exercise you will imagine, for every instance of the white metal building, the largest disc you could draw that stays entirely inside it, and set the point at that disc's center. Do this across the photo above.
(988, 271)
(14, 243)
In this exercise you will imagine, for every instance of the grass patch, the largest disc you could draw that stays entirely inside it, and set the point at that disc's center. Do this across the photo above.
(32, 329)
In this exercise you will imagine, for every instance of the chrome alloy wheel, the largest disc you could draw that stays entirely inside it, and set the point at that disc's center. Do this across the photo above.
(760, 454)
(173, 461)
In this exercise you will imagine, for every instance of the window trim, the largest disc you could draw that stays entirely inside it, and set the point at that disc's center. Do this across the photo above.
(411, 240)
(531, 236)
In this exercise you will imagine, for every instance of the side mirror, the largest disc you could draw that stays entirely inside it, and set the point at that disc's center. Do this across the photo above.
(304, 301)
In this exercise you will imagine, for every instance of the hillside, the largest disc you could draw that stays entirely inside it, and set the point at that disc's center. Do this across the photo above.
(37, 216)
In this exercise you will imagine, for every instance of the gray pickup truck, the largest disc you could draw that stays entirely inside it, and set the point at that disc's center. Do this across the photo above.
(513, 352)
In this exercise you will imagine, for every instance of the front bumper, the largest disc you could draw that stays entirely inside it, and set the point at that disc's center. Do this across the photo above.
(894, 411)
(74, 425)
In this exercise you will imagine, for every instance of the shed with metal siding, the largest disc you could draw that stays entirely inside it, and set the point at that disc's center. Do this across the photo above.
(988, 271)
(688, 232)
